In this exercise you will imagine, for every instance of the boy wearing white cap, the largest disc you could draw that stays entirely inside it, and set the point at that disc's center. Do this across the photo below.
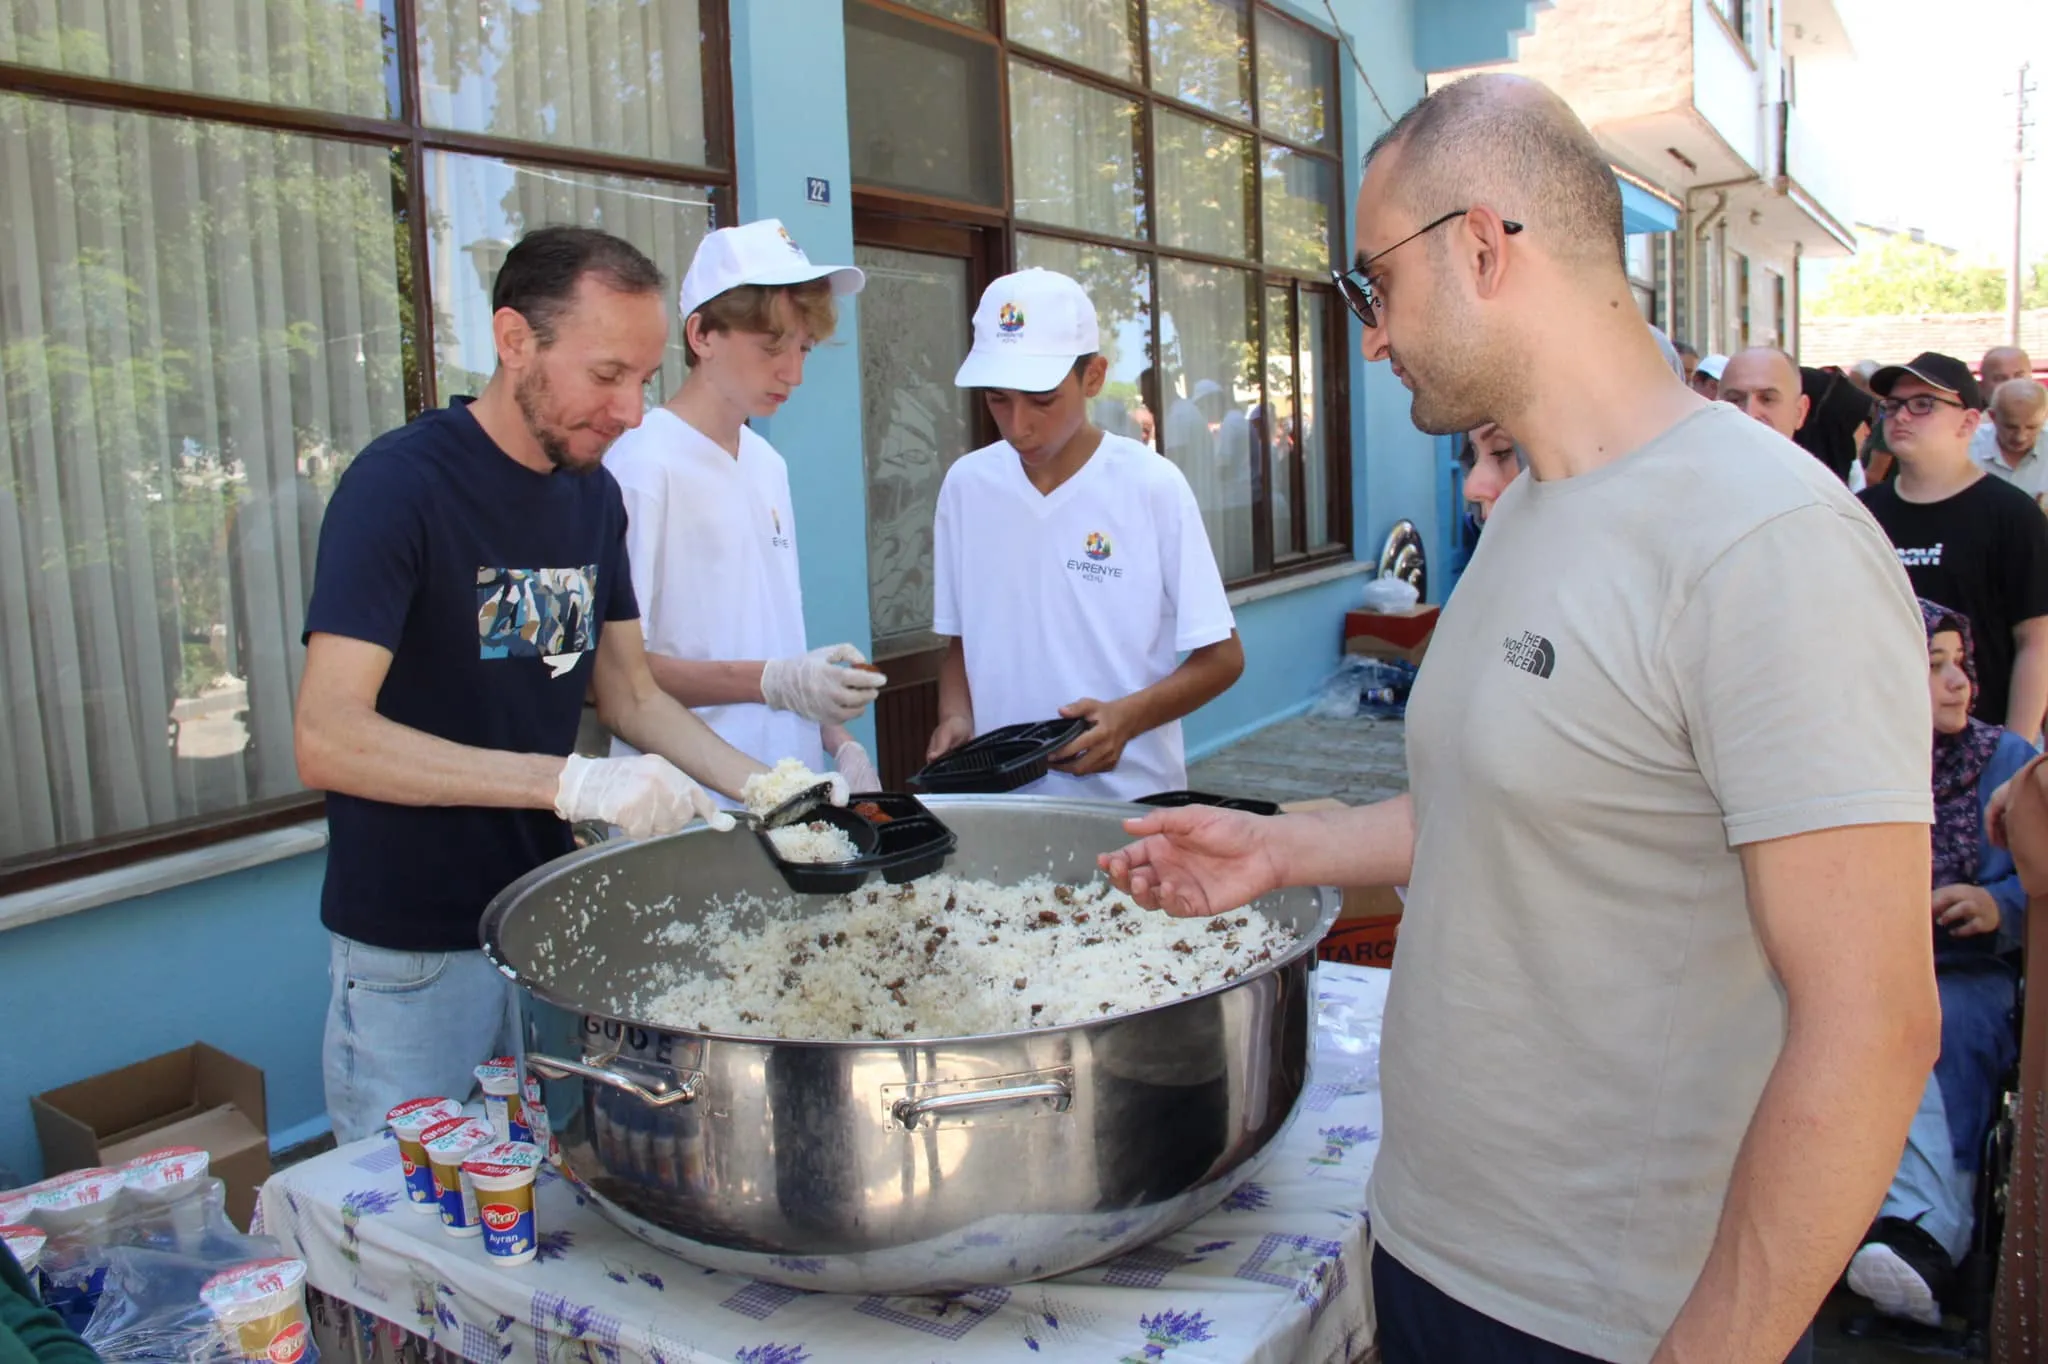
(711, 533)
(1070, 566)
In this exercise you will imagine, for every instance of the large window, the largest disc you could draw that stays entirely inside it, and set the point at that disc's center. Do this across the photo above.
(1180, 158)
(243, 241)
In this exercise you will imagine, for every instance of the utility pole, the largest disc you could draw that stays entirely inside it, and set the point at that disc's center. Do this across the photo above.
(2015, 286)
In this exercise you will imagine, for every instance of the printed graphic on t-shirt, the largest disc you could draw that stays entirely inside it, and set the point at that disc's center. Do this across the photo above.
(1930, 557)
(1096, 568)
(542, 613)
(779, 540)
(1532, 653)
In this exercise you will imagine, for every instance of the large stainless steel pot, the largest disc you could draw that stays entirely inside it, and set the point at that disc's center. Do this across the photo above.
(892, 1167)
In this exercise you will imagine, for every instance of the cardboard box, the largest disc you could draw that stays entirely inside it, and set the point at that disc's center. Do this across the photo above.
(196, 1096)
(1370, 920)
(1402, 635)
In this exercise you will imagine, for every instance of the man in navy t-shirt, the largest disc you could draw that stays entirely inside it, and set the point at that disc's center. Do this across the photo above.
(472, 585)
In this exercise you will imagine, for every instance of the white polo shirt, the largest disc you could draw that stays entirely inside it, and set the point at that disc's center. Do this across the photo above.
(713, 546)
(1093, 591)
(2030, 477)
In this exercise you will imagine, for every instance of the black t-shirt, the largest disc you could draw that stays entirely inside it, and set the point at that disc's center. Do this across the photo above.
(488, 583)
(1983, 552)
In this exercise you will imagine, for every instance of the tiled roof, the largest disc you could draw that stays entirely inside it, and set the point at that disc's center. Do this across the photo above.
(1845, 340)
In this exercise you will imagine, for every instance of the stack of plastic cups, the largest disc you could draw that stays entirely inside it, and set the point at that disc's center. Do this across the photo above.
(261, 1309)
(409, 1123)
(75, 1208)
(503, 1093)
(502, 1176)
(165, 1187)
(25, 1244)
(448, 1144)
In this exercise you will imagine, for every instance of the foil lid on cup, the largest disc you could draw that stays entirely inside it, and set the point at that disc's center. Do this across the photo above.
(24, 1243)
(252, 1285)
(503, 1161)
(499, 1076)
(160, 1170)
(448, 1142)
(415, 1116)
(75, 1190)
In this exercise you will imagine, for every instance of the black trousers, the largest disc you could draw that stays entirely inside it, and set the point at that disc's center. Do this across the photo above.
(1419, 1324)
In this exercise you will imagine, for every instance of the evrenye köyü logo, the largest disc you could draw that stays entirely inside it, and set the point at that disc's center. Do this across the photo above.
(1009, 319)
(1095, 567)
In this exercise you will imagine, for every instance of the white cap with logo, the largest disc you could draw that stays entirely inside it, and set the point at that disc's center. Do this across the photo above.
(757, 253)
(1028, 331)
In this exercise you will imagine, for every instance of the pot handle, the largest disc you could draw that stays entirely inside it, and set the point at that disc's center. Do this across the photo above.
(688, 1083)
(910, 1111)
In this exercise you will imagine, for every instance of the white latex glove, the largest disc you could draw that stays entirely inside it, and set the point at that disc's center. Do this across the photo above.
(819, 686)
(856, 767)
(643, 795)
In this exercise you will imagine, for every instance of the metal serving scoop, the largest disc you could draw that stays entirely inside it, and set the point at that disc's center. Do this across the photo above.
(795, 810)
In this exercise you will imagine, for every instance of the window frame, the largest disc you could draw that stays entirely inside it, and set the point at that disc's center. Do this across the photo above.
(1269, 562)
(408, 139)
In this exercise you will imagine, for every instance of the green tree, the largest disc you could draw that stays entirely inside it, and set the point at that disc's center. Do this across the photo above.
(1899, 275)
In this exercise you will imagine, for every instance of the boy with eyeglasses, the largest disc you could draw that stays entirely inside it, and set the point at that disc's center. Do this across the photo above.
(1972, 543)
(1071, 570)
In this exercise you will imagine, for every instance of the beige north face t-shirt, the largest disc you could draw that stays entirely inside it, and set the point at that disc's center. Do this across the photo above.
(1704, 644)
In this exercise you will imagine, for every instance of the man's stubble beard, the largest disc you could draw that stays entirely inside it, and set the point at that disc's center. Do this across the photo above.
(1463, 382)
(531, 393)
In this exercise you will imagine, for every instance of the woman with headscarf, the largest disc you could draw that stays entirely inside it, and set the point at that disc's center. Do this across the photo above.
(1978, 908)
(1838, 414)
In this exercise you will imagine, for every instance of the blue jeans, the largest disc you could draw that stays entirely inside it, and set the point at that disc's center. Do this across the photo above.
(1928, 1187)
(1421, 1324)
(407, 1025)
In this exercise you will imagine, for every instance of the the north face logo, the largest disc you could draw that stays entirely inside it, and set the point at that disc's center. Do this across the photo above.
(1532, 653)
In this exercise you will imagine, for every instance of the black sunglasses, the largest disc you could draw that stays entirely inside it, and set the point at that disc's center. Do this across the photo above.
(1357, 290)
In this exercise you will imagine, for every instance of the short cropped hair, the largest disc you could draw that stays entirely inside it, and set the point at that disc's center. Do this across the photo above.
(1513, 145)
(541, 272)
(751, 308)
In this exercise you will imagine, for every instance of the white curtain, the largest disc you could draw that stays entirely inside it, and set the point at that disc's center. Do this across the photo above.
(621, 76)
(199, 324)
(1101, 35)
(477, 207)
(1209, 388)
(1074, 154)
(314, 54)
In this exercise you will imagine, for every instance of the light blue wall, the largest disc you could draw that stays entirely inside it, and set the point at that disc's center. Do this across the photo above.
(239, 962)
(790, 125)
(1455, 33)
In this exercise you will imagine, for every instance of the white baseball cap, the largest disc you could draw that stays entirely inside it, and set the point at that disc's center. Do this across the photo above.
(1029, 330)
(757, 253)
(1712, 366)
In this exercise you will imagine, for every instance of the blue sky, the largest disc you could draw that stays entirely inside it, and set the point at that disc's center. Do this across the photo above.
(1924, 116)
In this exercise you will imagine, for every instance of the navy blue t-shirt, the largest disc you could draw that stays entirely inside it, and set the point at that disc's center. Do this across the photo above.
(488, 583)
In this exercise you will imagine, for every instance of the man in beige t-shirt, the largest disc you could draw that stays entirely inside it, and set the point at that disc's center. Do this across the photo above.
(1665, 998)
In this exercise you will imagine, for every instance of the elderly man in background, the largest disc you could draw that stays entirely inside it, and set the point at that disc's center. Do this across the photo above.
(1764, 382)
(2001, 365)
(2010, 445)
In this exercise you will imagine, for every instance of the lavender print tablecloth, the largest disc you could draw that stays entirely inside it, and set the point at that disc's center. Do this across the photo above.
(1276, 1275)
